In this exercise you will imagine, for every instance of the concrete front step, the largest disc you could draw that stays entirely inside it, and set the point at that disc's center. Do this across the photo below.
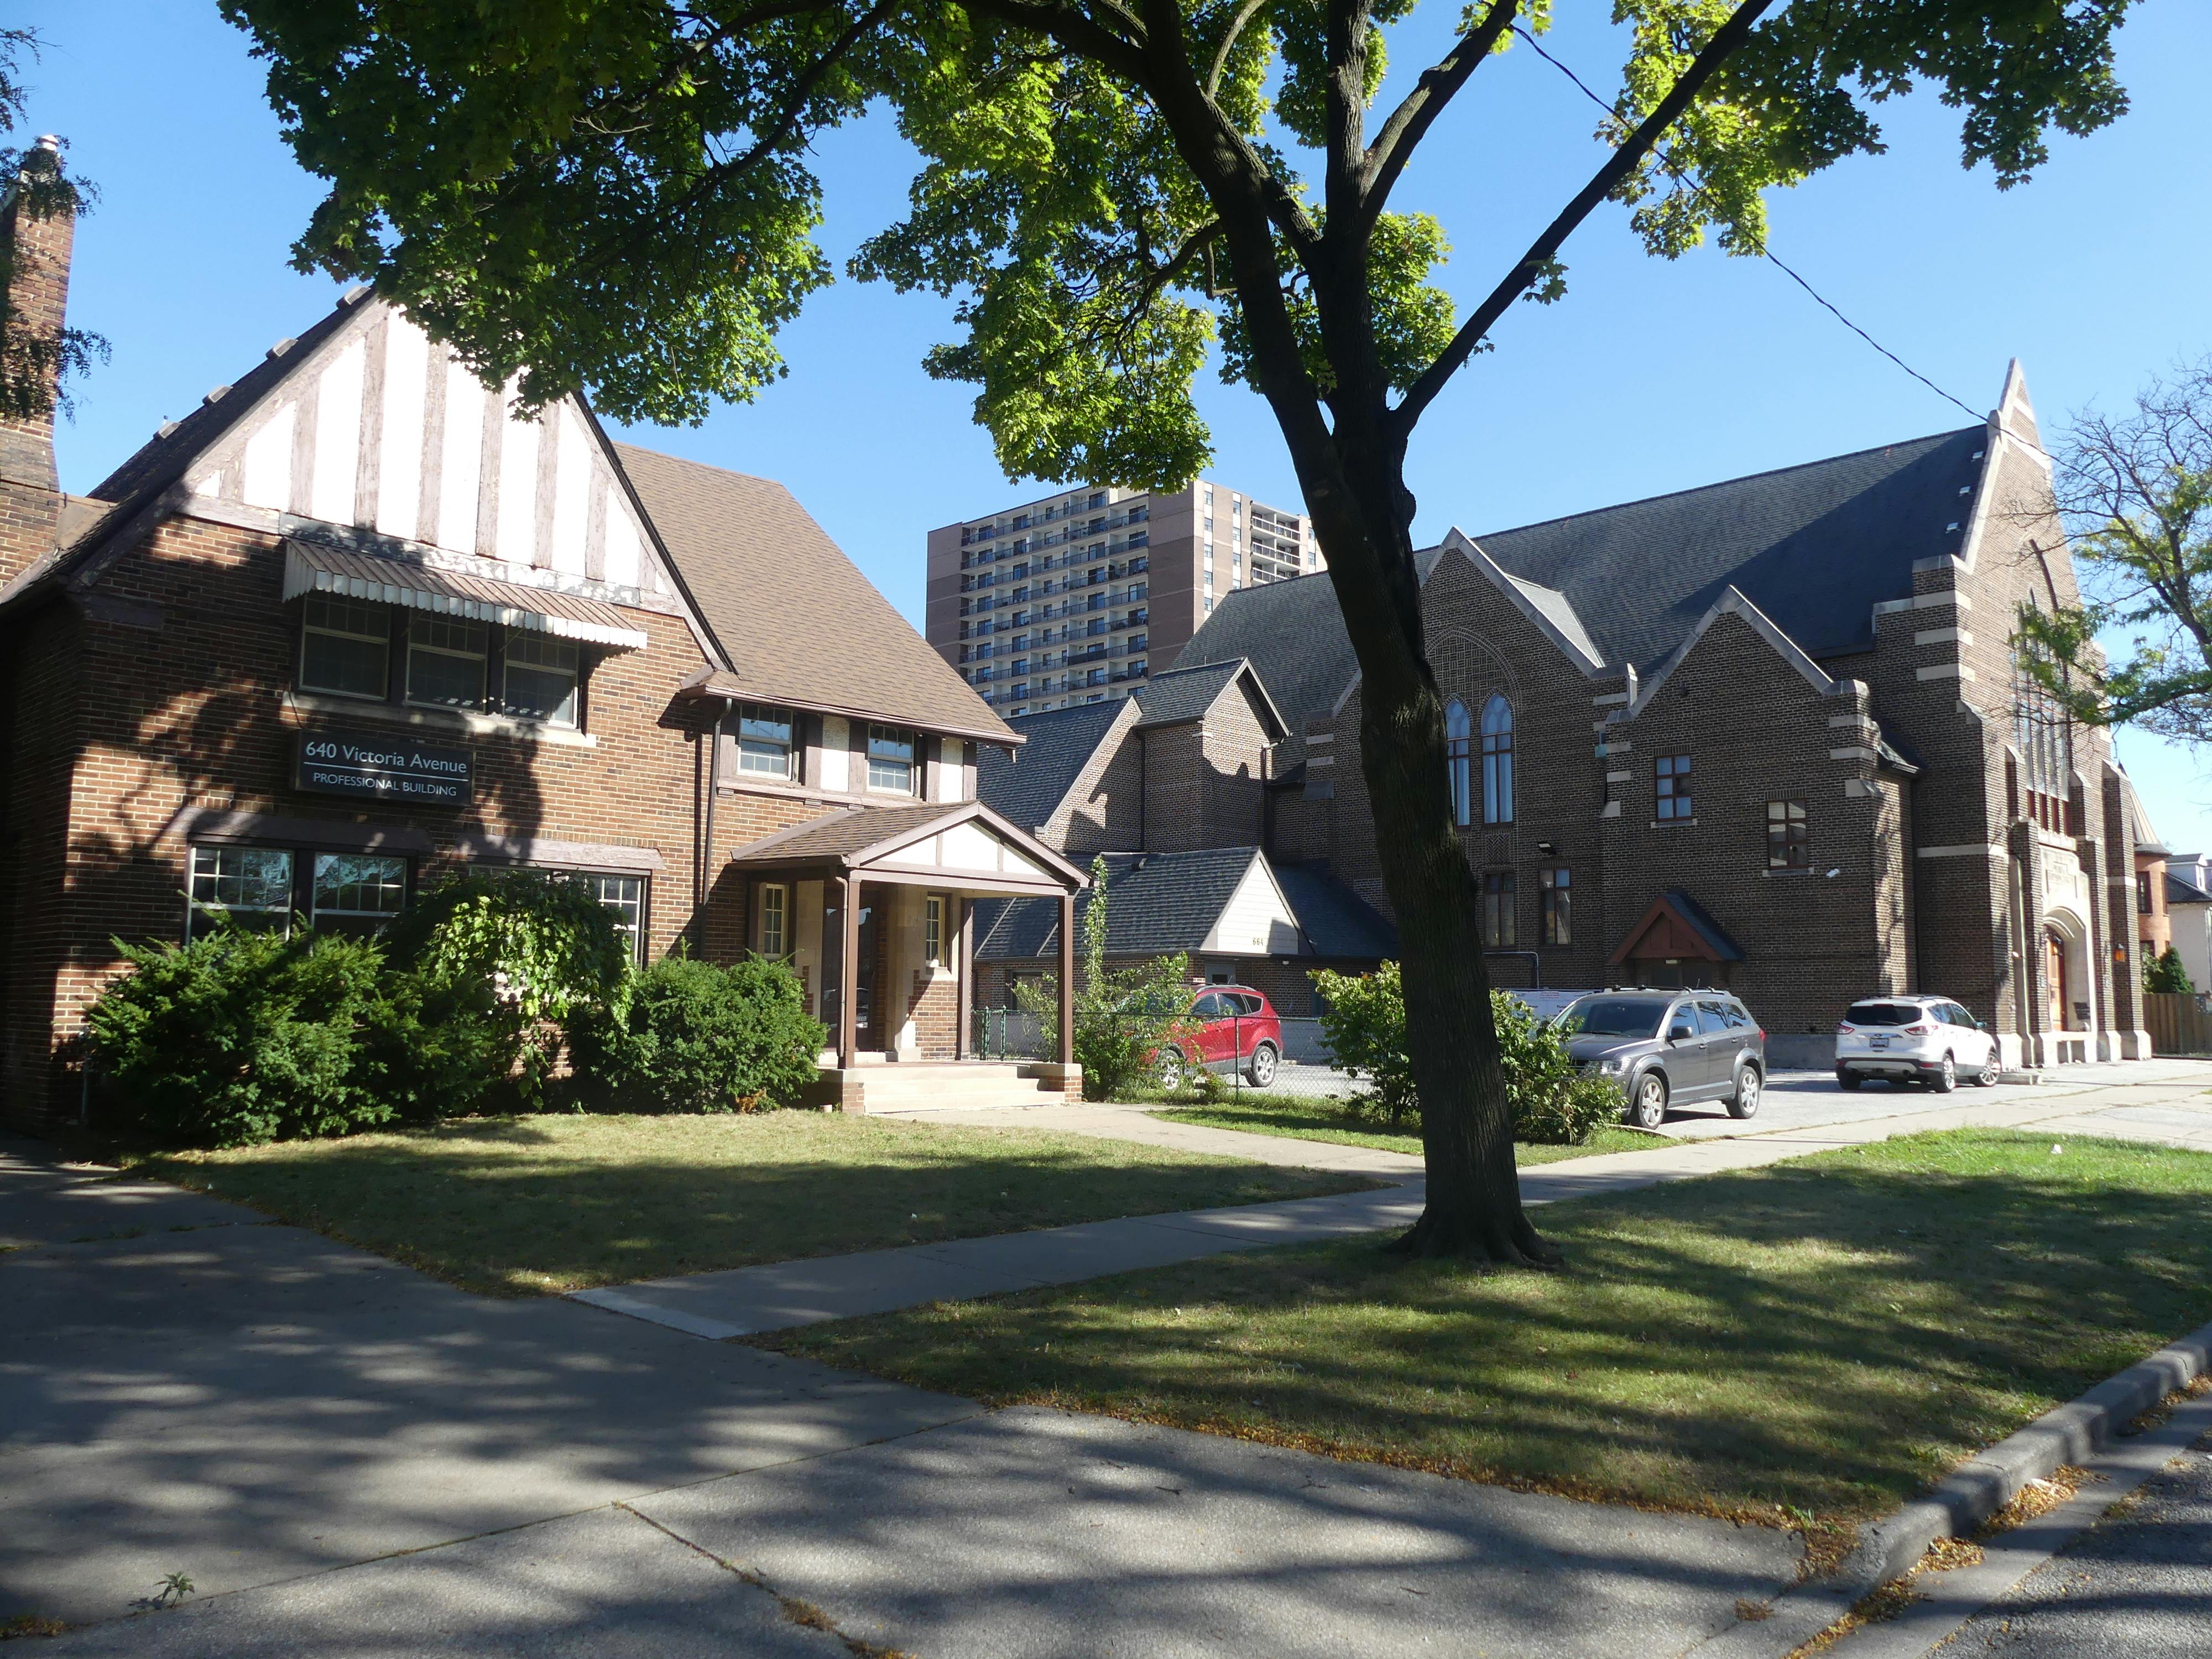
(921, 1087)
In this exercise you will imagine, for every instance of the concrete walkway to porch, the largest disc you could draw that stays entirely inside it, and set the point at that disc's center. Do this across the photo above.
(2172, 1108)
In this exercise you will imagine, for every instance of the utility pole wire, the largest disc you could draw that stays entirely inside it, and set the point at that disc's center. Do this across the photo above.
(1764, 252)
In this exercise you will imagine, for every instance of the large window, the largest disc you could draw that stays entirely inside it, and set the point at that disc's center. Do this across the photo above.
(774, 920)
(445, 658)
(540, 682)
(765, 749)
(1557, 885)
(890, 759)
(356, 892)
(345, 646)
(253, 885)
(1788, 845)
(1497, 762)
(1499, 927)
(1675, 800)
(1459, 738)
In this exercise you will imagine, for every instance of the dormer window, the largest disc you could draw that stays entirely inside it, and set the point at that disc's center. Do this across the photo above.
(890, 759)
(765, 749)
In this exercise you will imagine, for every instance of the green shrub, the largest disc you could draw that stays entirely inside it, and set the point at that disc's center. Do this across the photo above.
(2163, 972)
(694, 1037)
(1363, 1021)
(239, 1037)
(1123, 1016)
(495, 965)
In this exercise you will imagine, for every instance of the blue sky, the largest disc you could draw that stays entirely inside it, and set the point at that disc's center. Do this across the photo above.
(1649, 377)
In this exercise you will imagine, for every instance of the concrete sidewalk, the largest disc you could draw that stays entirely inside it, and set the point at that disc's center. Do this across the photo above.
(353, 1462)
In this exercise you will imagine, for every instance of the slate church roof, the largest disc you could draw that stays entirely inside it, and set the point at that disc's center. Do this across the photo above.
(1813, 546)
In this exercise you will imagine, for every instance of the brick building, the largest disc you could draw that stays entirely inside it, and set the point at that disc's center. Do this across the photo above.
(358, 620)
(1769, 733)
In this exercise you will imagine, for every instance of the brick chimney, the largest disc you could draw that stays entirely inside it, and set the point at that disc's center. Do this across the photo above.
(30, 497)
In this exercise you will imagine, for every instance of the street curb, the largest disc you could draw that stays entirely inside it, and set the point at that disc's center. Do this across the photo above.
(1966, 1497)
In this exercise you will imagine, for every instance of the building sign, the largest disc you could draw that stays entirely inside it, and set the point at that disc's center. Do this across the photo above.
(385, 769)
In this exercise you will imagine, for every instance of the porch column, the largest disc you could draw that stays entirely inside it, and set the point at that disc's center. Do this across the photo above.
(964, 975)
(849, 976)
(1066, 978)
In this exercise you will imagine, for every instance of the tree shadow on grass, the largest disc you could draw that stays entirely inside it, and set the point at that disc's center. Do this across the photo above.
(1823, 1336)
(532, 1205)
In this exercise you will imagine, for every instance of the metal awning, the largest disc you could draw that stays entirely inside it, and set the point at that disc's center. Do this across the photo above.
(310, 567)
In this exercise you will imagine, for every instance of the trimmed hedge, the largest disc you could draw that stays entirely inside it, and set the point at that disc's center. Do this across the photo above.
(695, 1037)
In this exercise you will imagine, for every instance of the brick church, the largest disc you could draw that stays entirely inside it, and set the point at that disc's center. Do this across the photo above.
(1767, 734)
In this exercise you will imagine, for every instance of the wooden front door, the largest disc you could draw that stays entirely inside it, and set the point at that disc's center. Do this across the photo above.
(2054, 977)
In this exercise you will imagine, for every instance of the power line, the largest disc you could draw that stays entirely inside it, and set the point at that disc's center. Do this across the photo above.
(1682, 175)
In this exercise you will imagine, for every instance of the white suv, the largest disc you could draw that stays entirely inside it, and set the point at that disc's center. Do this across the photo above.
(1912, 1039)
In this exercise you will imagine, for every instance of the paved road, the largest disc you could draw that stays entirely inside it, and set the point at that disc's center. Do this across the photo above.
(2138, 1584)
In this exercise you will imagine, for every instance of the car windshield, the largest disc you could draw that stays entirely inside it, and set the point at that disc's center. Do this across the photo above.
(1615, 1017)
(1883, 1014)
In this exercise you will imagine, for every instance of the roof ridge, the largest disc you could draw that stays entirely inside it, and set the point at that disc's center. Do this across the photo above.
(1717, 483)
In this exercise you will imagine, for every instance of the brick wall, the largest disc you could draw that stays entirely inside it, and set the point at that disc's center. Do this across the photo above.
(183, 703)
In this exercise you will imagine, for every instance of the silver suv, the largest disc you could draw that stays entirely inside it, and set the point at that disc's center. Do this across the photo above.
(1668, 1048)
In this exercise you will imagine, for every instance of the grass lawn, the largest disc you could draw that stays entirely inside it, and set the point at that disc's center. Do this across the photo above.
(1302, 1119)
(517, 1206)
(1810, 1342)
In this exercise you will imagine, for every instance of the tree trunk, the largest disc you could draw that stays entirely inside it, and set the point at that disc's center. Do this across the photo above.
(1474, 1201)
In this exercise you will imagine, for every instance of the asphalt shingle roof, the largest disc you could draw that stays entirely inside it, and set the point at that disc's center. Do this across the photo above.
(800, 623)
(841, 833)
(1025, 785)
(1813, 546)
(1185, 693)
(1337, 921)
(1161, 903)
(1157, 903)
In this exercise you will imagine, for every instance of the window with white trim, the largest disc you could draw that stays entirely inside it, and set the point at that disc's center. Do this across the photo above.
(356, 892)
(252, 886)
(625, 896)
(932, 930)
(774, 920)
(765, 749)
(445, 658)
(541, 676)
(890, 759)
(345, 646)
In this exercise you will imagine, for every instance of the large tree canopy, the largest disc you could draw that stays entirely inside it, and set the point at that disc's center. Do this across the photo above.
(614, 196)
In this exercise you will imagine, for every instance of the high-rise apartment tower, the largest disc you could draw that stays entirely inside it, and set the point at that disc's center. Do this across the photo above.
(1078, 597)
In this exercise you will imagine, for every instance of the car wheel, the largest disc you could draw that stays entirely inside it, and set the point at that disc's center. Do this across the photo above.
(1946, 1080)
(1847, 1079)
(1987, 1077)
(1647, 1107)
(1745, 1102)
(1261, 1071)
(1169, 1070)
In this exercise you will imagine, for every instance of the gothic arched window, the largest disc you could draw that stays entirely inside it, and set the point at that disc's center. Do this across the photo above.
(1458, 732)
(1497, 761)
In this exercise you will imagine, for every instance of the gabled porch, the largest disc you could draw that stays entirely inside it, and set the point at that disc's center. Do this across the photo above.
(875, 909)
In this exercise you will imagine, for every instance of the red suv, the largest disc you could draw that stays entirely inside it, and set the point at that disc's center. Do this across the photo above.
(1235, 1029)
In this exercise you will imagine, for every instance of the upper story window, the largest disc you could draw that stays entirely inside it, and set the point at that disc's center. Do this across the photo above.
(1458, 732)
(2142, 892)
(345, 646)
(2044, 734)
(1675, 800)
(541, 677)
(1789, 844)
(890, 759)
(765, 749)
(445, 658)
(1497, 762)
